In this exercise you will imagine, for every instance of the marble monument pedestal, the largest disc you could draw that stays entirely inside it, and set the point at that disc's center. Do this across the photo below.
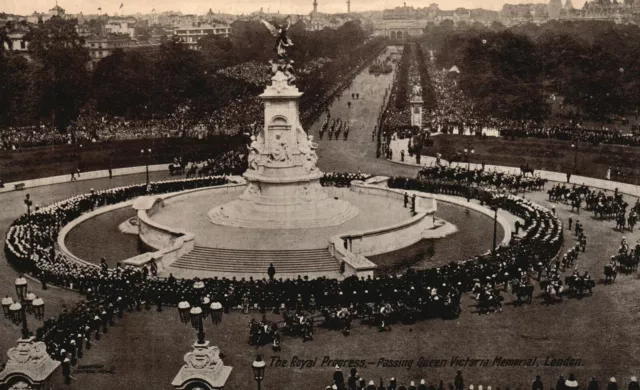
(296, 202)
(283, 190)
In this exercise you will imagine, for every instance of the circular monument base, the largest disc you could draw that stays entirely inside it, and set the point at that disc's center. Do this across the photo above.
(251, 215)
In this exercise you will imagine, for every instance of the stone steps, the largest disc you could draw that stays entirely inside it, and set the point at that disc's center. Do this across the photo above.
(257, 261)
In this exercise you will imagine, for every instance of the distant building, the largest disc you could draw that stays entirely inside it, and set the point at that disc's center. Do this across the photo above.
(56, 11)
(16, 42)
(524, 13)
(121, 25)
(190, 35)
(101, 46)
(554, 9)
(401, 23)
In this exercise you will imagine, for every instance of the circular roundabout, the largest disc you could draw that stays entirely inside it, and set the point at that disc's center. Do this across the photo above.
(470, 332)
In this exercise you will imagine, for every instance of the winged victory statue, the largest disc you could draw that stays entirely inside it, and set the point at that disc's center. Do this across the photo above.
(280, 33)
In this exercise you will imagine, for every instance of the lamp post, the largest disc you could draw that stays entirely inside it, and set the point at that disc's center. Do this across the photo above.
(28, 202)
(147, 153)
(196, 322)
(28, 303)
(194, 315)
(495, 229)
(258, 367)
(468, 152)
(574, 146)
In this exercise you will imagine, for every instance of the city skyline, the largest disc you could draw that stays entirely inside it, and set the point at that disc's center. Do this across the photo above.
(238, 7)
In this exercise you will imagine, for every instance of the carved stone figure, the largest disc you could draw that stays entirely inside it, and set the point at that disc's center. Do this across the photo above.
(254, 189)
(254, 153)
(282, 40)
(280, 152)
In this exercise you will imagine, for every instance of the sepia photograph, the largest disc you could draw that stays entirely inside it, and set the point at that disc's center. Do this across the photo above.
(320, 195)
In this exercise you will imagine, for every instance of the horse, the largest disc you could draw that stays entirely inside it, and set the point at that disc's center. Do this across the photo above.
(193, 170)
(610, 273)
(176, 169)
(621, 221)
(451, 307)
(344, 320)
(489, 301)
(632, 220)
(552, 292)
(628, 261)
(523, 292)
(382, 317)
(578, 285)
(525, 169)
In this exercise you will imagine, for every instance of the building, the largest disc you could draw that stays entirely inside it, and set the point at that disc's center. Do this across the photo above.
(554, 8)
(524, 13)
(56, 11)
(101, 46)
(191, 34)
(401, 22)
(121, 25)
(16, 42)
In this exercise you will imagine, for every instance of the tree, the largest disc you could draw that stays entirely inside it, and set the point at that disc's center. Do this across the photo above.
(596, 86)
(123, 83)
(500, 73)
(60, 80)
(217, 50)
(14, 70)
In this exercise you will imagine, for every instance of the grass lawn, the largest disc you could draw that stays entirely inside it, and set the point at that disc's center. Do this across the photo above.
(545, 154)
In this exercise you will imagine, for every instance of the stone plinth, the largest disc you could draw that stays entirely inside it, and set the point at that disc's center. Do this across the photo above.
(29, 365)
(202, 367)
(283, 190)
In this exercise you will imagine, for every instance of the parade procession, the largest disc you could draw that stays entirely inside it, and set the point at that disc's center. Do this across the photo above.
(319, 196)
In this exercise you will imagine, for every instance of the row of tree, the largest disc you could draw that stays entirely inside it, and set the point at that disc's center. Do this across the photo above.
(53, 85)
(507, 72)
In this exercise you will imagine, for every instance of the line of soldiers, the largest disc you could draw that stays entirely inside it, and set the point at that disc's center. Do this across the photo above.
(335, 127)
(356, 382)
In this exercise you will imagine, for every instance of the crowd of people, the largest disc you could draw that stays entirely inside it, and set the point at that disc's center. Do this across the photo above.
(357, 382)
(455, 113)
(383, 300)
(256, 72)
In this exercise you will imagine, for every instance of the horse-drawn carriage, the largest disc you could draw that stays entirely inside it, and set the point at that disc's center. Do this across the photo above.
(261, 333)
(338, 319)
(552, 290)
(177, 169)
(522, 291)
(488, 299)
(578, 285)
(298, 325)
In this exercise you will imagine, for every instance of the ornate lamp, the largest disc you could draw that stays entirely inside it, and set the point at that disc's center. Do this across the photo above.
(216, 312)
(198, 288)
(204, 304)
(28, 301)
(16, 313)
(38, 308)
(21, 287)
(258, 367)
(6, 303)
(196, 315)
(183, 311)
